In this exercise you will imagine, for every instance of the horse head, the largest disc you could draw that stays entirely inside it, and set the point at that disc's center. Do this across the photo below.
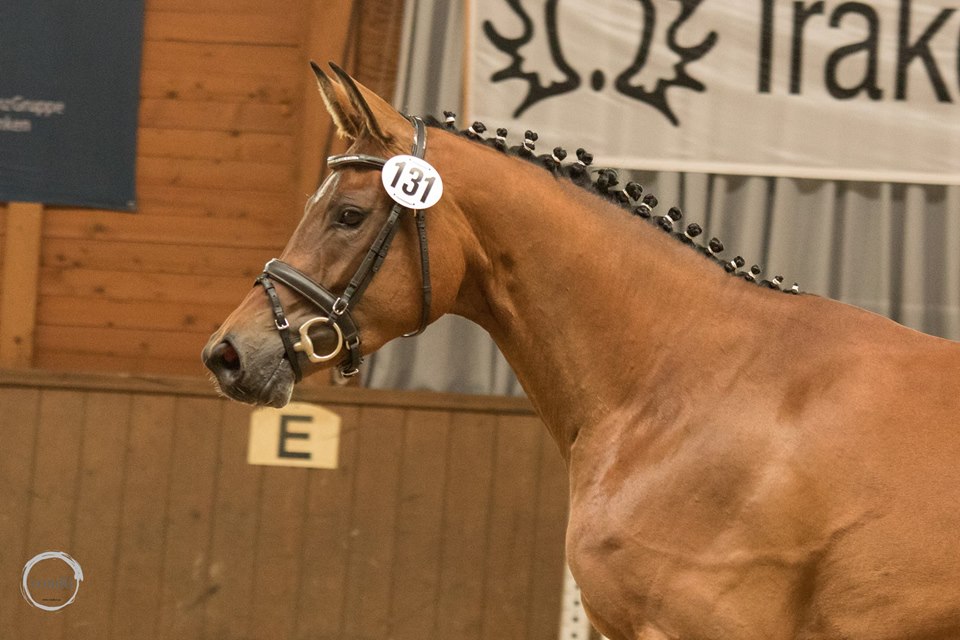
(319, 305)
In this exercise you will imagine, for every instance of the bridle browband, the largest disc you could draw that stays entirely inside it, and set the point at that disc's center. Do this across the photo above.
(338, 307)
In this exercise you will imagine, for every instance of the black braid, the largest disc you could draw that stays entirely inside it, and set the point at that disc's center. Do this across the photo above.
(631, 197)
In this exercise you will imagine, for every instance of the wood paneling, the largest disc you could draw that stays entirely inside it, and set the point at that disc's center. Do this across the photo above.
(21, 262)
(438, 523)
(232, 136)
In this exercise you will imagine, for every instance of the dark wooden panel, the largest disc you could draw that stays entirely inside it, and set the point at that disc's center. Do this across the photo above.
(320, 607)
(54, 492)
(143, 531)
(466, 522)
(186, 582)
(280, 537)
(419, 530)
(96, 535)
(373, 518)
(512, 527)
(234, 537)
(438, 523)
(549, 536)
(19, 412)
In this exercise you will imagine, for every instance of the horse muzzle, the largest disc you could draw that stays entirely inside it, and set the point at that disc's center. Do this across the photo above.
(247, 374)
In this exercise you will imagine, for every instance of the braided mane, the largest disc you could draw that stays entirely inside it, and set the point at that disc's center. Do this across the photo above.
(630, 197)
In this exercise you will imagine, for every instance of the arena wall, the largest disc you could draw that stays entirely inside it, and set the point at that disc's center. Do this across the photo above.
(444, 519)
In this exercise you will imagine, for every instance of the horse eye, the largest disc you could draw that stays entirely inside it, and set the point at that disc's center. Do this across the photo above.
(351, 217)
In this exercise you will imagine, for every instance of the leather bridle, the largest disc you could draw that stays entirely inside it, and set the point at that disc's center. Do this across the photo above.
(337, 308)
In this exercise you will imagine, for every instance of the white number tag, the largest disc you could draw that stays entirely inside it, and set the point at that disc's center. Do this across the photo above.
(412, 182)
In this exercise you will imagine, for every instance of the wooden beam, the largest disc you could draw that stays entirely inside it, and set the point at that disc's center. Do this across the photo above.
(196, 386)
(21, 269)
(325, 40)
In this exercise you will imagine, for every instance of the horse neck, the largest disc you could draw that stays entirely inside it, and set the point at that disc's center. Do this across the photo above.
(593, 308)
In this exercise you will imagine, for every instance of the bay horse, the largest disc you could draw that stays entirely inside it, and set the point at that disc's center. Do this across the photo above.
(743, 463)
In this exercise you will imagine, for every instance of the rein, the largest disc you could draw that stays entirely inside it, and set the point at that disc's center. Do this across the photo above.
(337, 308)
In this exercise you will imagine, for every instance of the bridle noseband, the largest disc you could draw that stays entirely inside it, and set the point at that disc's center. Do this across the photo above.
(337, 308)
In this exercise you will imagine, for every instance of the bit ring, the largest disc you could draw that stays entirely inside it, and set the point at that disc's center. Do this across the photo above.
(305, 344)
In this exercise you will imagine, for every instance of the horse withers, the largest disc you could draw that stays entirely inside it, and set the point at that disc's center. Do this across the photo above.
(743, 463)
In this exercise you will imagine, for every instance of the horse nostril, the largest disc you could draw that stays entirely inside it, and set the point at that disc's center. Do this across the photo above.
(224, 361)
(229, 356)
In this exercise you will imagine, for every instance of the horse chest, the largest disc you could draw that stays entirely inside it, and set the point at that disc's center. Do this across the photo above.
(671, 547)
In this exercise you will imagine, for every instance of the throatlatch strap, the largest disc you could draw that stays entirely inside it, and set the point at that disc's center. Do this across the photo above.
(424, 275)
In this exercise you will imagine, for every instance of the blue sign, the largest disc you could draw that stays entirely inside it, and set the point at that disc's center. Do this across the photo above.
(69, 92)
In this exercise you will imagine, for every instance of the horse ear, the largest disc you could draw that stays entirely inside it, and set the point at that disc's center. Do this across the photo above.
(337, 103)
(376, 115)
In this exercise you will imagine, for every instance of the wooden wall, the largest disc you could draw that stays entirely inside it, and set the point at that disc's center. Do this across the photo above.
(231, 139)
(445, 519)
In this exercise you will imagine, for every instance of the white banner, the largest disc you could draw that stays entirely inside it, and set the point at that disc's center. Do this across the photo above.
(818, 89)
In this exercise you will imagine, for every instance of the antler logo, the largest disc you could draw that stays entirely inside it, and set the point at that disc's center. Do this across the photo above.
(626, 81)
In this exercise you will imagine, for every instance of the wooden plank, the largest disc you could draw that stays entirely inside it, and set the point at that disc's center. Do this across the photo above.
(549, 536)
(165, 230)
(466, 517)
(226, 7)
(373, 517)
(419, 532)
(214, 174)
(219, 86)
(153, 258)
(21, 264)
(325, 39)
(280, 538)
(106, 424)
(86, 363)
(186, 582)
(168, 345)
(54, 491)
(320, 611)
(380, 23)
(279, 61)
(195, 203)
(161, 385)
(161, 113)
(18, 424)
(142, 525)
(104, 314)
(512, 527)
(234, 537)
(220, 27)
(263, 148)
(119, 285)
